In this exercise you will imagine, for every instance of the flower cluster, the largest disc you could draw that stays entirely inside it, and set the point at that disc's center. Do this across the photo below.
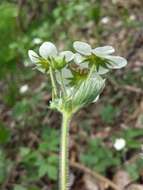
(76, 75)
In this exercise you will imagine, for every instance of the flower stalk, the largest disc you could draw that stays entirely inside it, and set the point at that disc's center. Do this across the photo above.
(64, 166)
(53, 83)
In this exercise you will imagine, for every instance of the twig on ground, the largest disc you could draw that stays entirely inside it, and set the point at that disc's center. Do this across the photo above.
(94, 174)
(126, 87)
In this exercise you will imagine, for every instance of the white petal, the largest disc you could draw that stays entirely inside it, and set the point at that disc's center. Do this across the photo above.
(96, 99)
(66, 73)
(104, 50)
(47, 49)
(116, 62)
(79, 59)
(23, 89)
(82, 47)
(119, 144)
(33, 56)
(69, 55)
(42, 70)
(102, 70)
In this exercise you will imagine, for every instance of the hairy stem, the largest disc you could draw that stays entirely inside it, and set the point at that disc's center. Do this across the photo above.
(64, 163)
(62, 84)
(53, 82)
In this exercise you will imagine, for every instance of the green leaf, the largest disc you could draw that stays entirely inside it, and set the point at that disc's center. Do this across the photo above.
(8, 13)
(21, 109)
(132, 169)
(19, 187)
(88, 91)
(4, 134)
(99, 157)
(43, 169)
(133, 133)
(108, 114)
(24, 151)
(5, 166)
(52, 172)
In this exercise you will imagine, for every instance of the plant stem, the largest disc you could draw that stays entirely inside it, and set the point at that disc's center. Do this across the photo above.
(91, 71)
(62, 84)
(64, 163)
(53, 82)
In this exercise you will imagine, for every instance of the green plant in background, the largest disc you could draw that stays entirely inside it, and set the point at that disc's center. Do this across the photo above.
(37, 161)
(98, 156)
(108, 113)
(76, 82)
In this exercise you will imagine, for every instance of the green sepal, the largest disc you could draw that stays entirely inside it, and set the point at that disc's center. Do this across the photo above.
(59, 63)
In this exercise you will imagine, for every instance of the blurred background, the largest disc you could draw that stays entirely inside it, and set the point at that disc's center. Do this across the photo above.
(29, 131)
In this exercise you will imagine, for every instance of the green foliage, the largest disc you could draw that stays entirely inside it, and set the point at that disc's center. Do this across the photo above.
(11, 93)
(132, 137)
(135, 169)
(108, 114)
(50, 140)
(99, 157)
(44, 160)
(8, 13)
(24, 110)
(5, 166)
(19, 187)
(4, 134)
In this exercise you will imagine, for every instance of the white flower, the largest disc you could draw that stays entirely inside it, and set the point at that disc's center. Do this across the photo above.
(119, 144)
(132, 17)
(100, 56)
(47, 51)
(105, 20)
(23, 89)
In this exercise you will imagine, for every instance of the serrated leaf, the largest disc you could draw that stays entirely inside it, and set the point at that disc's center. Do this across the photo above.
(88, 91)
(43, 169)
(52, 172)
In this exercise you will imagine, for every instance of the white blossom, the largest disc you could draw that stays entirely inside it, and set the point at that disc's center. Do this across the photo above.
(119, 144)
(49, 50)
(104, 53)
(105, 20)
(132, 17)
(23, 89)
